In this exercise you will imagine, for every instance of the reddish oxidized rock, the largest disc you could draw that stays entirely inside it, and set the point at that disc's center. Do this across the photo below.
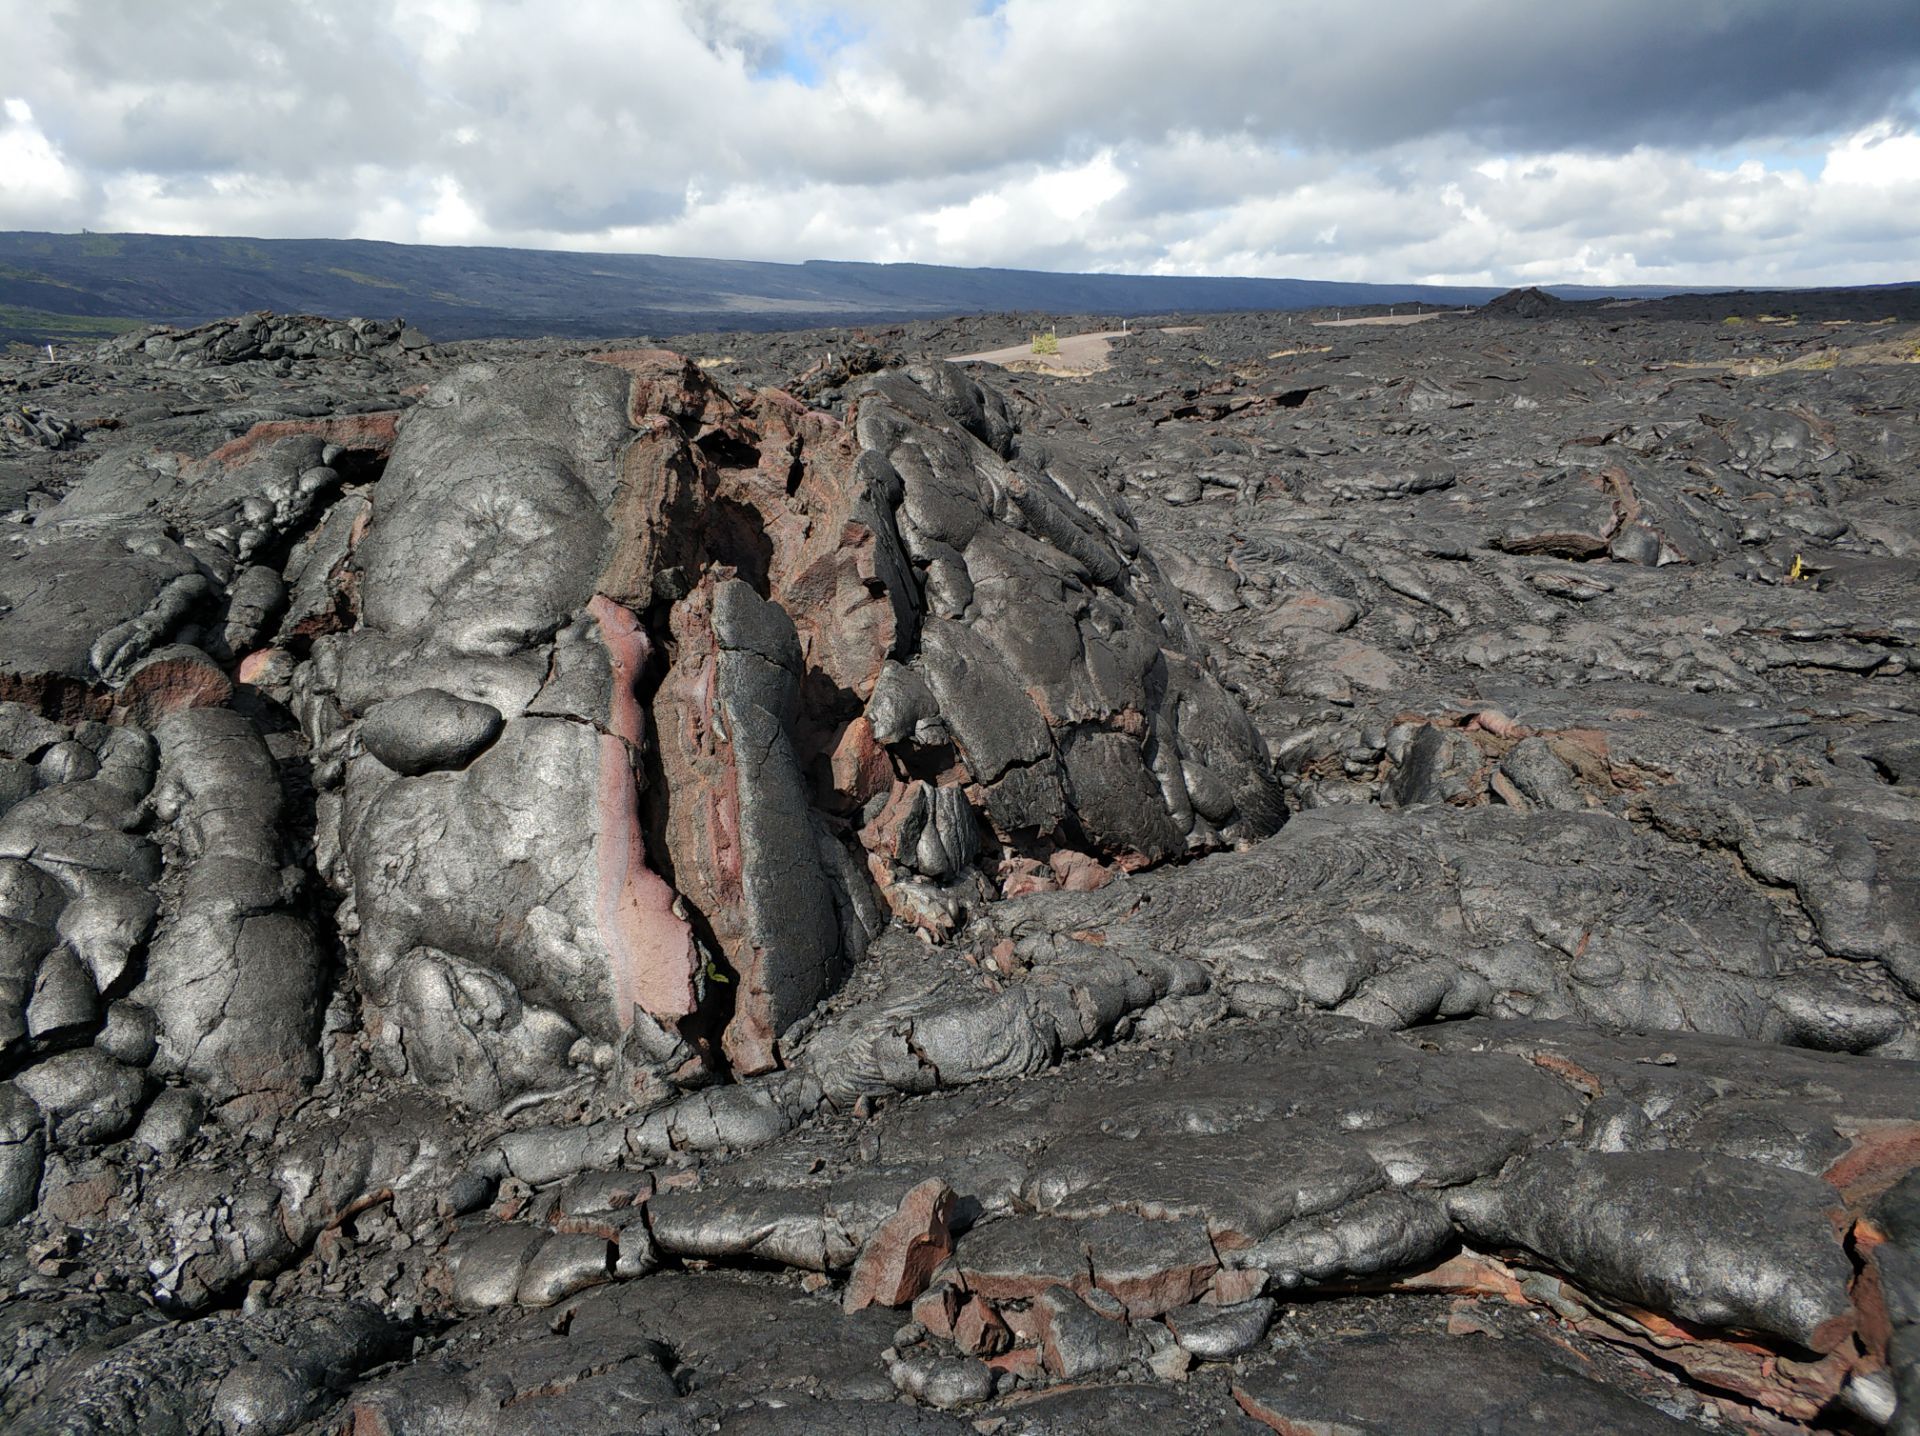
(899, 1258)
(368, 434)
(980, 1330)
(937, 1308)
(172, 680)
(655, 964)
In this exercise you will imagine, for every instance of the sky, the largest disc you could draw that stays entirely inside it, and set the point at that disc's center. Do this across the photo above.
(1442, 141)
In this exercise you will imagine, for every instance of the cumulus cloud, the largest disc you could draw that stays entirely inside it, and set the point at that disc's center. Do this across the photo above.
(34, 178)
(1762, 141)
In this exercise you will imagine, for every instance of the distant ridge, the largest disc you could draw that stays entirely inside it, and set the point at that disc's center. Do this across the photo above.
(69, 286)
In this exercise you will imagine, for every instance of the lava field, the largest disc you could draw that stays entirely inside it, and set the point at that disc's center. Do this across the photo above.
(1286, 876)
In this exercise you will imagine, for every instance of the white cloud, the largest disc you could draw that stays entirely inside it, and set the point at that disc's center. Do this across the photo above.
(452, 219)
(1480, 140)
(38, 188)
(1879, 157)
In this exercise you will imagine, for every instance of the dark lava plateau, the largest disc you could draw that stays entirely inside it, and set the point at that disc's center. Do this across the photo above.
(1306, 879)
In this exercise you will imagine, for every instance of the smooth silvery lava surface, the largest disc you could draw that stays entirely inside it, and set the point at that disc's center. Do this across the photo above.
(1352, 879)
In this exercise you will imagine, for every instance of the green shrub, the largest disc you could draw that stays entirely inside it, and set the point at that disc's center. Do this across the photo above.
(1047, 343)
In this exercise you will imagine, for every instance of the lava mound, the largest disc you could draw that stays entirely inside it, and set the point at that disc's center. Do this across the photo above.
(1527, 303)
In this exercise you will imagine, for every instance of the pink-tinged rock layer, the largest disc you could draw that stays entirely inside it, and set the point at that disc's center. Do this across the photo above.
(653, 962)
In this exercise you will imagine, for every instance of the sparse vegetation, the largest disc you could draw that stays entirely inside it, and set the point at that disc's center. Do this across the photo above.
(1046, 342)
(35, 327)
(372, 281)
(34, 276)
(1901, 349)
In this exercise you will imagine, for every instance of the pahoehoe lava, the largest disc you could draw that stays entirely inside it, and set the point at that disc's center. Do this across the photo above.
(1348, 879)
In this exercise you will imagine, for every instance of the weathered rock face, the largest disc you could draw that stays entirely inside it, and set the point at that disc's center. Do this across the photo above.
(1051, 651)
(530, 526)
(783, 900)
(543, 890)
(504, 905)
